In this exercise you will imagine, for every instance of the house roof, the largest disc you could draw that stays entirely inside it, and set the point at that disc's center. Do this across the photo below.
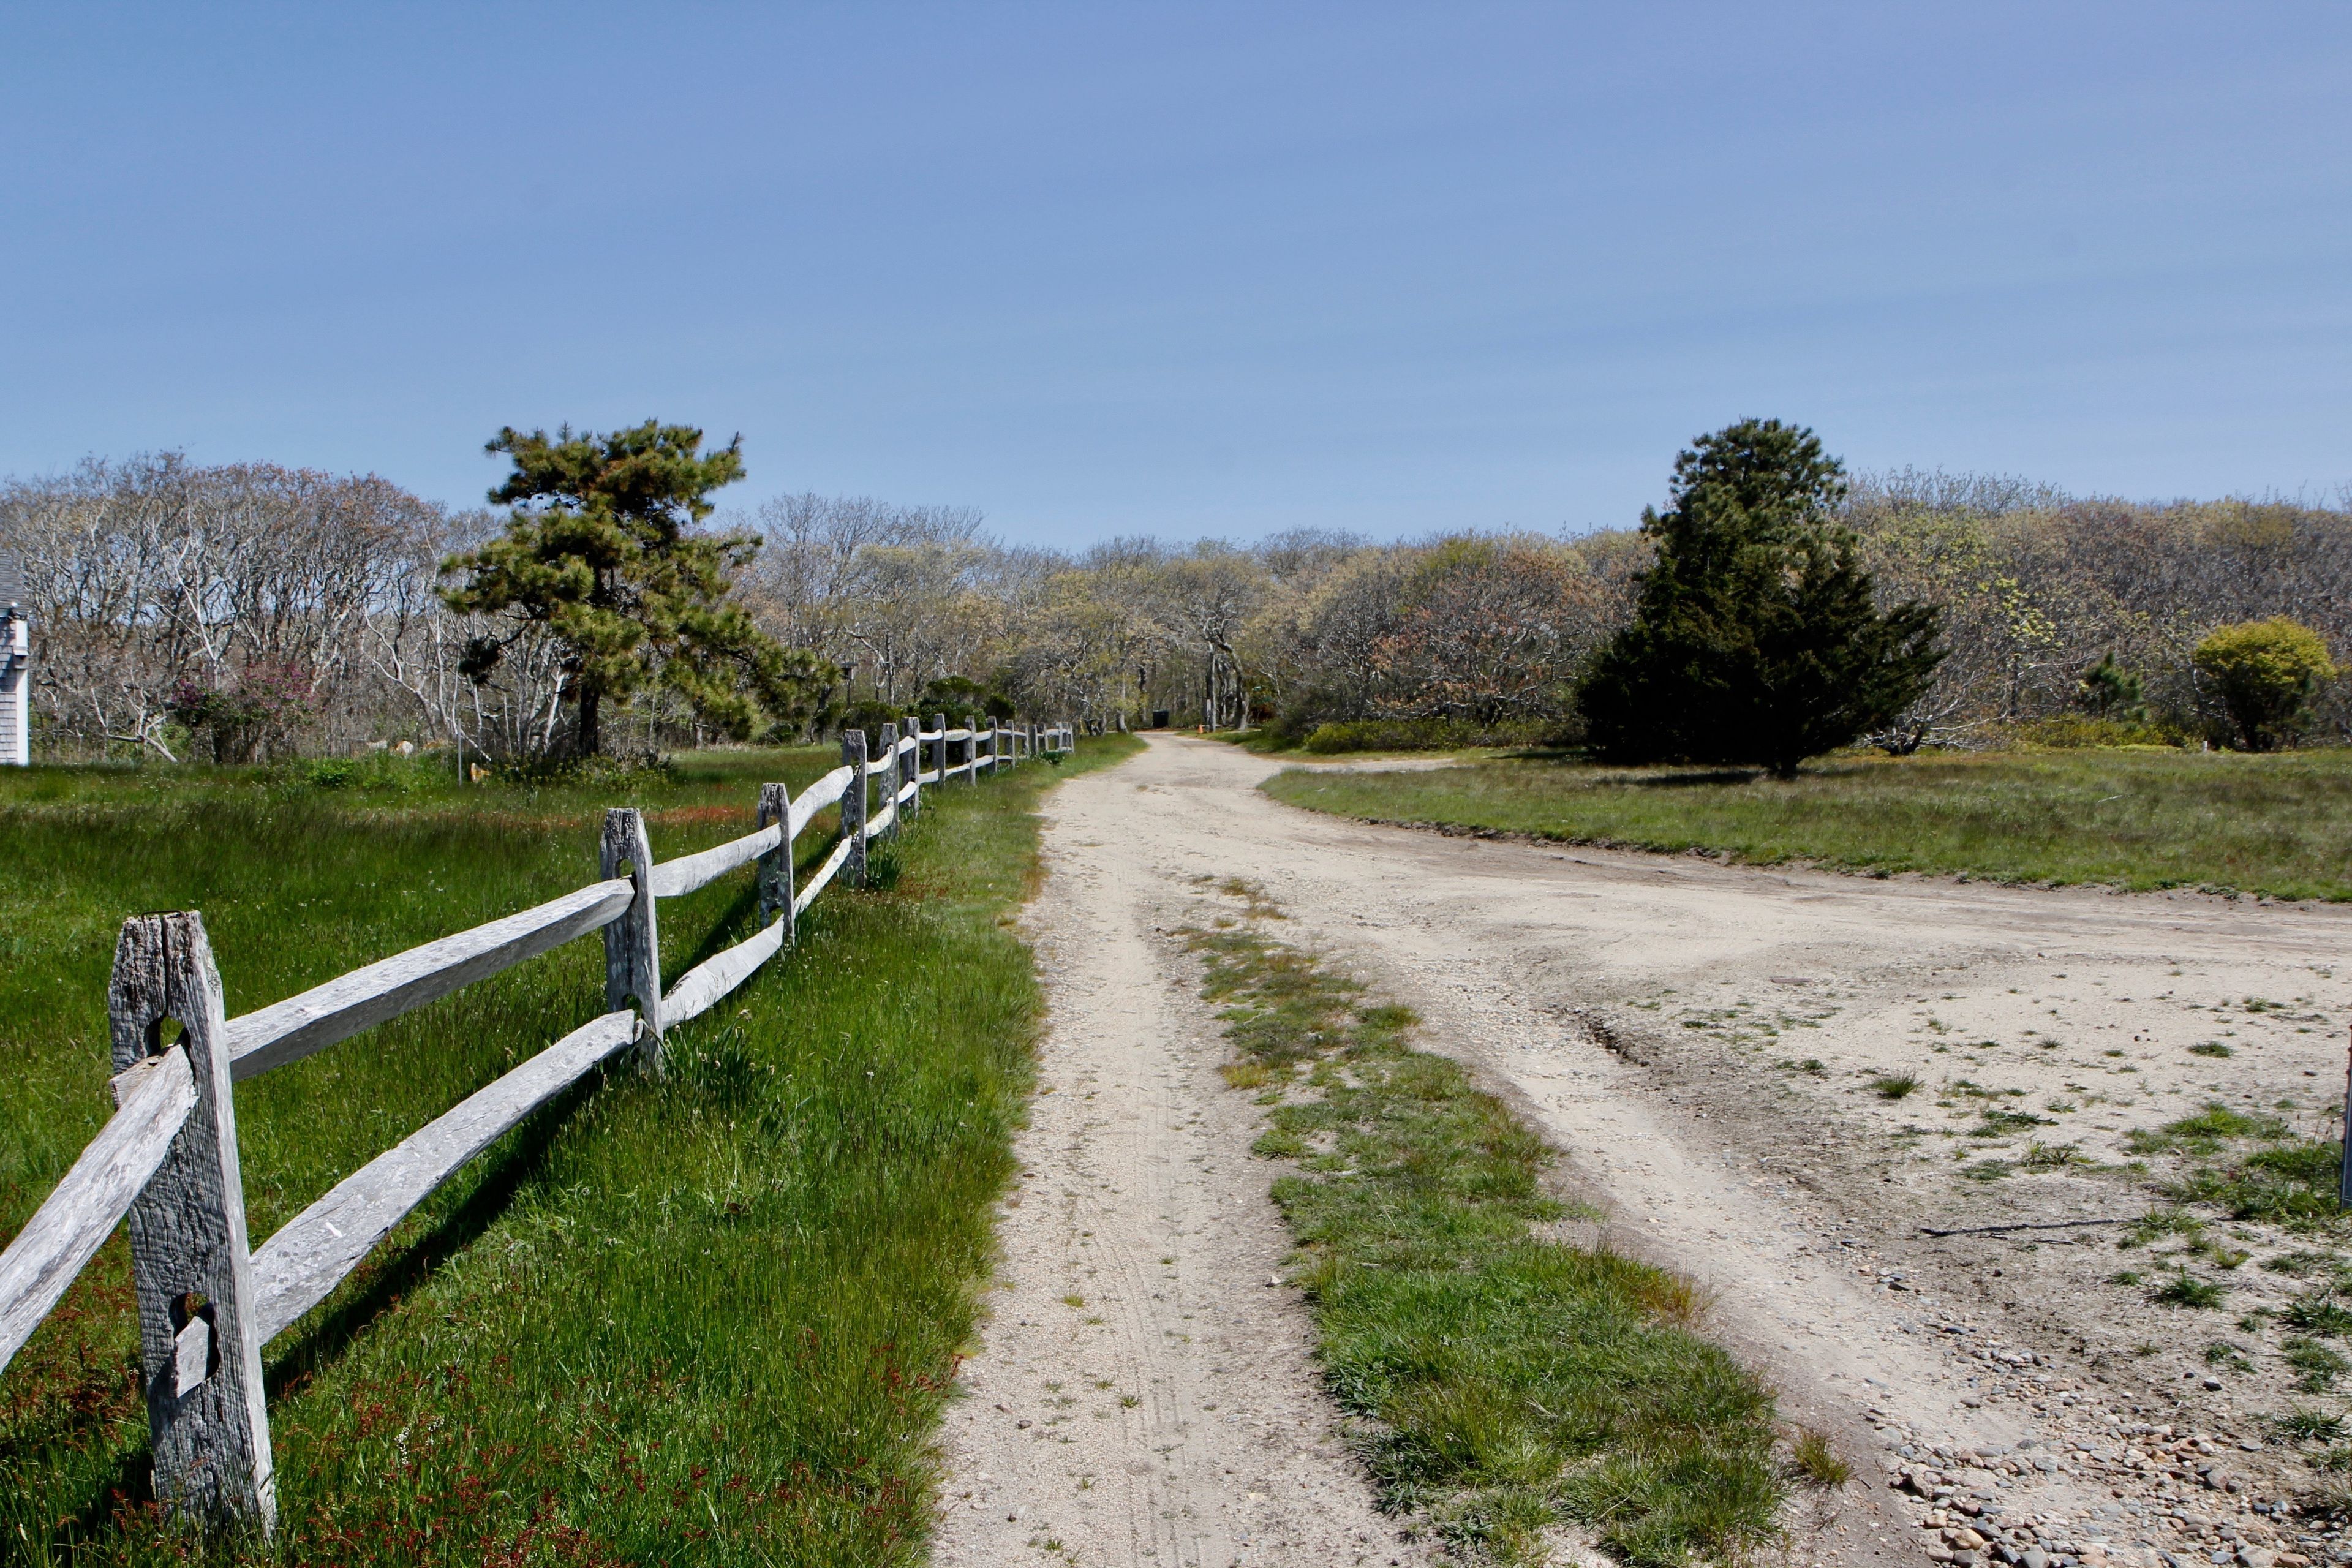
(11, 579)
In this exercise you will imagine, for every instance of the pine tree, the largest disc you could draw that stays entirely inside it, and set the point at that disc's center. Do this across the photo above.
(1755, 638)
(602, 548)
(2110, 692)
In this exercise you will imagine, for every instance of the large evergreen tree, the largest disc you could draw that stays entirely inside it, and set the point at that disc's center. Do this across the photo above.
(1754, 639)
(602, 547)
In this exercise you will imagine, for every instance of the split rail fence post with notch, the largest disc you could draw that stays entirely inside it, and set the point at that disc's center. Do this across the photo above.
(914, 767)
(633, 943)
(199, 1332)
(910, 769)
(776, 864)
(939, 748)
(891, 777)
(853, 804)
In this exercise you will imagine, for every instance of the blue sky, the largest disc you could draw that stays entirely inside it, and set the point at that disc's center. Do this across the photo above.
(1189, 269)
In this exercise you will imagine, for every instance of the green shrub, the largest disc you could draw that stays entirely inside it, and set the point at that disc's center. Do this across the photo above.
(2072, 731)
(576, 771)
(959, 695)
(870, 716)
(375, 771)
(2267, 673)
(1426, 735)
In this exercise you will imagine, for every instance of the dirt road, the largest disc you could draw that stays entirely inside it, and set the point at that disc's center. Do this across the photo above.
(1710, 1048)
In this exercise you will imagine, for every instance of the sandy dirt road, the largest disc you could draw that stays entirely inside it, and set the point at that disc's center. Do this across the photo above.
(1701, 1042)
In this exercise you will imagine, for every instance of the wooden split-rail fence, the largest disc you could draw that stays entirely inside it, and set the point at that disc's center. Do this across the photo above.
(167, 1160)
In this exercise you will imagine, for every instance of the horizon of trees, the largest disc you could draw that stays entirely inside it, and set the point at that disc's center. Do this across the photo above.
(244, 611)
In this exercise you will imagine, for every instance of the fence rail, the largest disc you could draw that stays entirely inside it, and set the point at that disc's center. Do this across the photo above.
(167, 1159)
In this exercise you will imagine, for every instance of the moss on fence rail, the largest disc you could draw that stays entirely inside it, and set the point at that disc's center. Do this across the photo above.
(705, 1320)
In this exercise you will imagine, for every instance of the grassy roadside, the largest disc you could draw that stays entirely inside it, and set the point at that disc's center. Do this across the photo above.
(1517, 1381)
(706, 1319)
(2273, 825)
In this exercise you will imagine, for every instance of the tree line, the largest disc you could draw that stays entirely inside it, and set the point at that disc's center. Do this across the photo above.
(604, 603)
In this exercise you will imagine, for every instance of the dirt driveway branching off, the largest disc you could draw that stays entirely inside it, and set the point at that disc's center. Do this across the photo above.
(1816, 1095)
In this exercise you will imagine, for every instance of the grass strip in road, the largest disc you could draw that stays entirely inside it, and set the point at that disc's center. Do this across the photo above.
(1512, 1381)
(709, 1319)
(2136, 818)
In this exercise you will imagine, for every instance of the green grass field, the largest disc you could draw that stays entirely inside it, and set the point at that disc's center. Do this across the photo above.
(2279, 824)
(709, 1319)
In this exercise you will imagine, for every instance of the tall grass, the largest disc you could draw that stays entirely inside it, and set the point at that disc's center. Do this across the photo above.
(707, 1318)
(2273, 825)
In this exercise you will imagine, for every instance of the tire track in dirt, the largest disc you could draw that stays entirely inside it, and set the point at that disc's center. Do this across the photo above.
(1142, 1394)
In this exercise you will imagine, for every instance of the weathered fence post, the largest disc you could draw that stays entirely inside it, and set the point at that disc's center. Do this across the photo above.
(890, 776)
(911, 768)
(2344, 1172)
(199, 1333)
(853, 804)
(633, 943)
(776, 864)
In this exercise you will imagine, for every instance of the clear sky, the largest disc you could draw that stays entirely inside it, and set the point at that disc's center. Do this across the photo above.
(1189, 269)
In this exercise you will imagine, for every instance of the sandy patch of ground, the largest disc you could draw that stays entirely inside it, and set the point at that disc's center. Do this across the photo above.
(1700, 1041)
(1144, 1394)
